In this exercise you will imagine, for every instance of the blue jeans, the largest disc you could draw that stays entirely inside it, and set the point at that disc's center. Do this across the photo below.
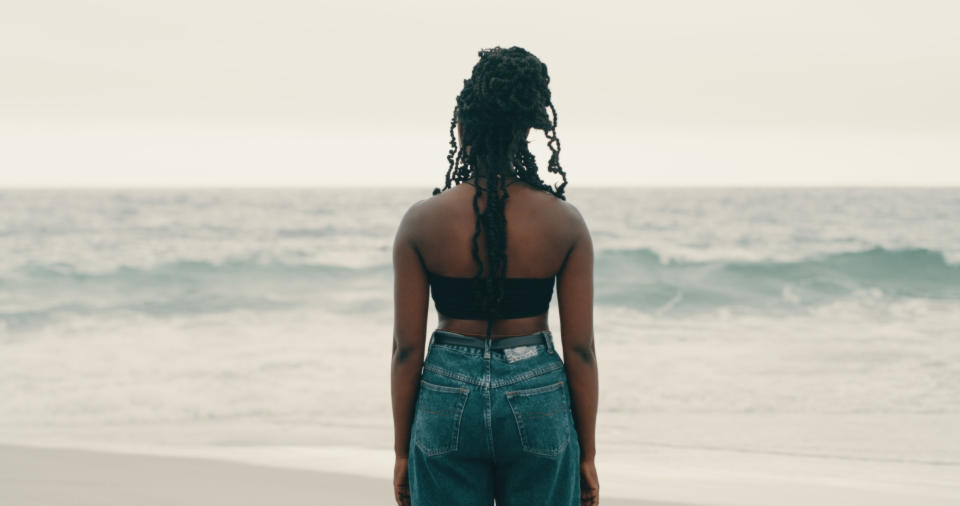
(493, 424)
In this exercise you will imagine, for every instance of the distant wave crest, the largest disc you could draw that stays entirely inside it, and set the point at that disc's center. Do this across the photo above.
(634, 278)
(640, 278)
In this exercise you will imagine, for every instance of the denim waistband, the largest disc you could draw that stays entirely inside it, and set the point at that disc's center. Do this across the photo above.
(447, 337)
(543, 337)
(485, 366)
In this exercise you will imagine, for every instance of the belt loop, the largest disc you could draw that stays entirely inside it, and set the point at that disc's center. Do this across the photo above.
(488, 340)
(548, 340)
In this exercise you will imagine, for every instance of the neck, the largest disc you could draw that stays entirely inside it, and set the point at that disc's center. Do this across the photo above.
(481, 181)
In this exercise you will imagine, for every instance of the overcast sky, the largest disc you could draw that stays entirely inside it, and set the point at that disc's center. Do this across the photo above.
(285, 93)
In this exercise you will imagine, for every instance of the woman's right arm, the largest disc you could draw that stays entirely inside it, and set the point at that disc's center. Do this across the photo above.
(575, 300)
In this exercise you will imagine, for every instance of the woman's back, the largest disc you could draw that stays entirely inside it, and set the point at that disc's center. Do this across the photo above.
(543, 234)
(539, 232)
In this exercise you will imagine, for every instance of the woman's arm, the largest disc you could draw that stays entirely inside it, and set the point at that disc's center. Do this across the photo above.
(575, 299)
(410, 294)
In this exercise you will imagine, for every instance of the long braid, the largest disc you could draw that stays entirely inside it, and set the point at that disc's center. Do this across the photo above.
(554, 144)
(478, 290)
(506, 95)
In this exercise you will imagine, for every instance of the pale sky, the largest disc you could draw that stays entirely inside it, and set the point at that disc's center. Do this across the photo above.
(314, 93)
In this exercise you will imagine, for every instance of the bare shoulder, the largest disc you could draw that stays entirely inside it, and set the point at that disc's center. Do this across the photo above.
(570, 211)
(413, 218)
(572, 219)
(431, 209)
(431, 212)
(416, 210)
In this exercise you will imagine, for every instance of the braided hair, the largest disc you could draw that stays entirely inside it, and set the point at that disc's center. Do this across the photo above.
(505, 96)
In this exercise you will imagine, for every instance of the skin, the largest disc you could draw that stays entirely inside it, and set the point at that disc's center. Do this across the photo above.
(545, 236)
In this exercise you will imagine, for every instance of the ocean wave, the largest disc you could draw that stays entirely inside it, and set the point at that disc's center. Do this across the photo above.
(183, 269)
(908, 264)
(37, 294)
(641, 278)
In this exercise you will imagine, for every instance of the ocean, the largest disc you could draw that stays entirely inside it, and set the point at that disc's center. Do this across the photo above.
(791, 322)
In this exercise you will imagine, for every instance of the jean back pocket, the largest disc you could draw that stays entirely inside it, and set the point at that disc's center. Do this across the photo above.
(543, 418)
(436, 425)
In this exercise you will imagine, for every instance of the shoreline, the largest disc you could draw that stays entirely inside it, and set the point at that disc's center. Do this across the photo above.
(65, 473)
(55, 476)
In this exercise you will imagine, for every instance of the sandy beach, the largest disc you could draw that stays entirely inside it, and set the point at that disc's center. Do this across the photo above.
(32, 476)
(53, 476)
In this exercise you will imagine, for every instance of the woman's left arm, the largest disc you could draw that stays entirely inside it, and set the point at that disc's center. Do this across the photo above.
(410, 294)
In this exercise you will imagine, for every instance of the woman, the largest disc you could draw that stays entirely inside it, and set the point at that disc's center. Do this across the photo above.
(493, 412)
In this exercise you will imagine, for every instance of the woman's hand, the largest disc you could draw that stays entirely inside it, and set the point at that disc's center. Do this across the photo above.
(589, 484)
(401, 484)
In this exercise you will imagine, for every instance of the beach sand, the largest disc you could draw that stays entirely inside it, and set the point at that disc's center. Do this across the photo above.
(31, 476)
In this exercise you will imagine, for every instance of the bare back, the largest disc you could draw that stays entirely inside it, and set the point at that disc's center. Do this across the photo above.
(541, 231)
